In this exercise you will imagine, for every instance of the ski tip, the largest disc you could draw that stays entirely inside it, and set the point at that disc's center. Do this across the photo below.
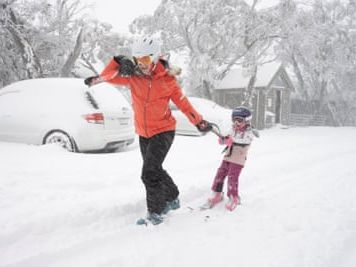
(206, 206)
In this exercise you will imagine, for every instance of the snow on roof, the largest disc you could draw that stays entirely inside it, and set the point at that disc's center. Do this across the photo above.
(238, 78)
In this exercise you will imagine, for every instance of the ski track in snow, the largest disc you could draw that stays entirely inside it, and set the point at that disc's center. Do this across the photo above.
(298, 206)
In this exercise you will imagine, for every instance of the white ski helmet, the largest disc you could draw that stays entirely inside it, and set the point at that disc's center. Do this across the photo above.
(146, 46)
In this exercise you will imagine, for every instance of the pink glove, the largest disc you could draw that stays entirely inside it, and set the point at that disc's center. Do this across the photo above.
(221, 140)
(229, 141)
(226, 140)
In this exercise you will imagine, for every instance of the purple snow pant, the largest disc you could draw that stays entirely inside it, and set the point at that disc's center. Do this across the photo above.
(232, 170)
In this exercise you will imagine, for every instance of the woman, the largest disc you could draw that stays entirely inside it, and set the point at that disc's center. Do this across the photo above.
(153, 84)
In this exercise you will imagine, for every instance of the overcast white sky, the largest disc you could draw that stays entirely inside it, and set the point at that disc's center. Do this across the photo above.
(120, 13)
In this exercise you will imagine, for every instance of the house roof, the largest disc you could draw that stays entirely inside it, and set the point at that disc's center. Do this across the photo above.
(238, 78)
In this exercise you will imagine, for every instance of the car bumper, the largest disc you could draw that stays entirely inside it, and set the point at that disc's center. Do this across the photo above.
(97, 138)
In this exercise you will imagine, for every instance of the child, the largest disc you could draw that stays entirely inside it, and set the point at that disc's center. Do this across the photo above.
(237, 144)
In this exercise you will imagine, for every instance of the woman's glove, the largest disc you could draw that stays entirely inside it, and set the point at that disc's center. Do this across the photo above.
(204, 126)
(91, 80)
(127, 67)
(226, 140)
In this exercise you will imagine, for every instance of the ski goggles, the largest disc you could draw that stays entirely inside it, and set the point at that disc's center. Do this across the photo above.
(238, 119)
(145, 60)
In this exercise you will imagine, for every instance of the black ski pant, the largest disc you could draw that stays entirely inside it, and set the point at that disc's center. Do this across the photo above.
(160, 187)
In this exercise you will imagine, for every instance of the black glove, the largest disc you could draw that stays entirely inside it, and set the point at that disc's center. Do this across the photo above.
(204, 126)
(127, 67)
(89, 81)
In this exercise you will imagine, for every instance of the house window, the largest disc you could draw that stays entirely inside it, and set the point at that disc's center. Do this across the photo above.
(269, 102)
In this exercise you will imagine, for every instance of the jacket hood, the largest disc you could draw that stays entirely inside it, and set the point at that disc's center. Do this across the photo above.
(161, 70)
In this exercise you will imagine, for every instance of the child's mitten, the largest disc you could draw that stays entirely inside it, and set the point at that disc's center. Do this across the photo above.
(221, 140)
(229, 141)
(226, 140)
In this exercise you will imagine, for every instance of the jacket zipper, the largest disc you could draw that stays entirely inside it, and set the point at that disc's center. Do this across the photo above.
(146, 104)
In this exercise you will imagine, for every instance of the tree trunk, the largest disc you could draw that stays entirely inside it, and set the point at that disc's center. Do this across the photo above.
(301, 84)
(344, 111)
(250, 89)
(324, 103)
(206, 89)
(73, 56)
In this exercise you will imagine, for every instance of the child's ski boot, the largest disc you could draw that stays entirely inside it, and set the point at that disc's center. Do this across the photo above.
(232, 203)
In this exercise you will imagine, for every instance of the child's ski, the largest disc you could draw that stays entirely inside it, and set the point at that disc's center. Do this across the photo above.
(206, 206)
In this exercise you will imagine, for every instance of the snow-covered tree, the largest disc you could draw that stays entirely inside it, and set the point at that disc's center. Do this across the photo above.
(316, 38)
(47, 38)
(216, 35)
(14, 28)
(320, 46)
(39, 36)
(101, 44)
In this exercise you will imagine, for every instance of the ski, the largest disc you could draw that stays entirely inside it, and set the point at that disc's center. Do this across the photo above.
(206, 206)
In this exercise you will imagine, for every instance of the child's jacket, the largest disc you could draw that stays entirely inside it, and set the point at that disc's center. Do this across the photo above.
(237, 152)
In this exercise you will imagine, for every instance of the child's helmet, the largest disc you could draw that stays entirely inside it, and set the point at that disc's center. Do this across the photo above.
(241, 112)
(146, 46)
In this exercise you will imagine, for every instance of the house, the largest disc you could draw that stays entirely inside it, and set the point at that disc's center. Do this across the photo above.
(271, 94)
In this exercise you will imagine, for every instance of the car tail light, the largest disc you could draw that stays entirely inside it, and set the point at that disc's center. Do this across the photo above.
(97, 118)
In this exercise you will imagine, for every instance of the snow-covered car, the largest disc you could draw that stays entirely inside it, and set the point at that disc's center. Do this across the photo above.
(65, 111)
(210, 111)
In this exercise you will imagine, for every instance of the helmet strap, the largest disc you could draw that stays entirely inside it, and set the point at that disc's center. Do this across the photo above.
(153, 66)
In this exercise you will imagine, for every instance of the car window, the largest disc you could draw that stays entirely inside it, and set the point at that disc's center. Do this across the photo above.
(108, 97)
(91, 100)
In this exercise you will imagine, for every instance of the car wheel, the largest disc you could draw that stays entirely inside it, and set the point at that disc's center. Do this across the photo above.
(61, 138)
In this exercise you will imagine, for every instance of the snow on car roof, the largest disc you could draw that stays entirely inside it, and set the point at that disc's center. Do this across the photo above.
(68, 90)
(53, 83)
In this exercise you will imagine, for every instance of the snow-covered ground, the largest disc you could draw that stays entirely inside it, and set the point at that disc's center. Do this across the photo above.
(298, 205)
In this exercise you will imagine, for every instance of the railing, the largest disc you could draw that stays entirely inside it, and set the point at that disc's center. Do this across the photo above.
(306, 120)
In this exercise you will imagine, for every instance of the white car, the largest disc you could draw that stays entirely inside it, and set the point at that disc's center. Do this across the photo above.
(210, 111)
(65, 111)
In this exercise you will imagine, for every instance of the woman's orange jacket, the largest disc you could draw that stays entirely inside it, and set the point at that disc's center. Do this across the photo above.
(150, 99)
